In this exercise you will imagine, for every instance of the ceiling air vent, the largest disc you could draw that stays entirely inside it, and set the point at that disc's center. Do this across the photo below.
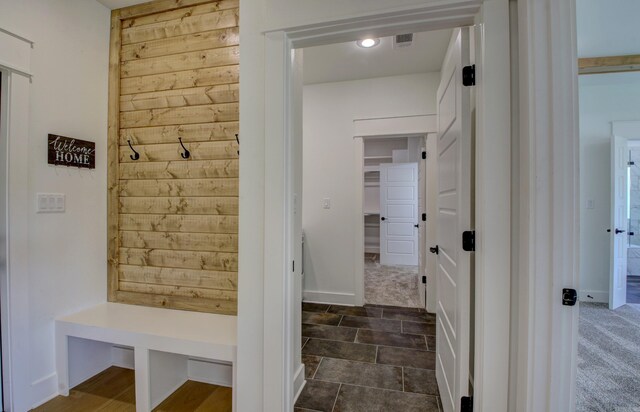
(402, 40)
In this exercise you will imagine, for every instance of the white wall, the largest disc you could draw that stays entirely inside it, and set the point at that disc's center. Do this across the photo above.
(603, 98)
(66, 252)
(329, 172)
(607, 28)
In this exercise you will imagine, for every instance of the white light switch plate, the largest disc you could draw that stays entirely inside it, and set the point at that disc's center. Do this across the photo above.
(326, 203)
(50, 203)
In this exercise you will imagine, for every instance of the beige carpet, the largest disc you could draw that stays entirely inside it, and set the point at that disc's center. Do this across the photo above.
(391, 285)
(608, 378)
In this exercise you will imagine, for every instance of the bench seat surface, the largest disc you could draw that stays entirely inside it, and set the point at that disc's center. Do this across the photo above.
(198, 327)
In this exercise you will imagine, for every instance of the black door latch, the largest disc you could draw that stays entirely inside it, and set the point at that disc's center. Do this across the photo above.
(434, 250)
(569, 297)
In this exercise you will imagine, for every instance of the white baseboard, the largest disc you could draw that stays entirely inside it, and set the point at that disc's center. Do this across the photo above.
(44, 389)
(596, 296)
(207, 371)
(298, 382)
(334, 298)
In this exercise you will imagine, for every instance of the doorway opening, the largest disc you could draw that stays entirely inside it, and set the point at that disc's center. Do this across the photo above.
(367, 338)
(609, 317)
(394, 195)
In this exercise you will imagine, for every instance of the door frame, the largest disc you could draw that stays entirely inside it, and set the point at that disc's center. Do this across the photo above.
(493, 164)
(373, 128)
(546, 205)
(14, 287)
(4, 221)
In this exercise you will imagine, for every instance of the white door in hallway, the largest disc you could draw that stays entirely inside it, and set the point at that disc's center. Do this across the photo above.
(619, 235)
(399, 214)
(454, 217)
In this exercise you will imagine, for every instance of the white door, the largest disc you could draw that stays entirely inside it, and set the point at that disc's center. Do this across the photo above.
(399, 214)
(454, 217)
(619, 236)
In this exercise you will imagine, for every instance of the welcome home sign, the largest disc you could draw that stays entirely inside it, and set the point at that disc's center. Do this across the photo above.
(66, 151)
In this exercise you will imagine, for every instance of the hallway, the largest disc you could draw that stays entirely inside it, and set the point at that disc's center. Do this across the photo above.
(371, 358)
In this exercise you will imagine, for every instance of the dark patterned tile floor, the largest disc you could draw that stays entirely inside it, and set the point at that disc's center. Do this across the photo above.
(371, 358)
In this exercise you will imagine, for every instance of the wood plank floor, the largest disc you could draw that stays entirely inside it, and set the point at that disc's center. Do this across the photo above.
(114, 390)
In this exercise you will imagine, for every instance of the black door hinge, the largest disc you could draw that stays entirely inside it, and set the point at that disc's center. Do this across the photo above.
(424, 280)
(293, 266)
(466, 404)
(469, 75)
(424, 217)
(469, 240)
(569, 297)
(424, 155)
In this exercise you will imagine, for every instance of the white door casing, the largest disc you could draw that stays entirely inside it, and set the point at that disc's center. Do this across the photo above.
(15, 63)
(454, 217)
(422, 231)
(619, 236)
(432, 221)
(399, 214)
(255, 160)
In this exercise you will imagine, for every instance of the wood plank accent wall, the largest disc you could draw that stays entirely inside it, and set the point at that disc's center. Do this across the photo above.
(173, 222)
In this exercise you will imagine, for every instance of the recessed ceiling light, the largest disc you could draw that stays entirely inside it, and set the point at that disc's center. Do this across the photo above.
(368, 43)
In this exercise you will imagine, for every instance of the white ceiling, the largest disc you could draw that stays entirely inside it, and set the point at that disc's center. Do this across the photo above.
(608, 28)
(347, 61)
(118, 4)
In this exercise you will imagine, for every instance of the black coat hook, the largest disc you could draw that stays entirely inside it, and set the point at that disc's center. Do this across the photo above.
(238, 141)
(186, 154)
(135, 155)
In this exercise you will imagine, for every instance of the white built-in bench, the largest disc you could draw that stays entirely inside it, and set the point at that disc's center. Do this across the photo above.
(165, 347)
